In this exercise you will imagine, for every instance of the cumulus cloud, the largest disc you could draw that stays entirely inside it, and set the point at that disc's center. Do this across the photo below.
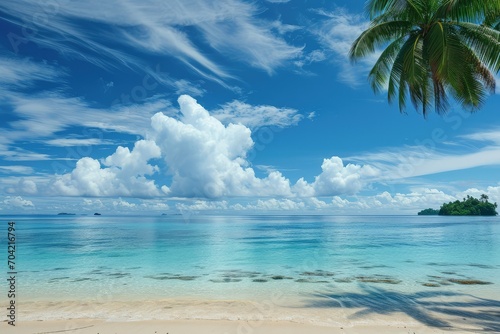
(207, 158)
(28, 186)
(273, 204)
(493, 192)
(202, 205)
(92, 203)
(123, 204)
(121, 174)
(336, 179)
(204, 159)
(17, 202)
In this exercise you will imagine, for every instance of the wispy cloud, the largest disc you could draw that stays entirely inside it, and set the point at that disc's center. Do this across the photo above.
(337, 33)
(68, 142)
(43, 115)
(257, 116)
(413, 161)
(492, 136)
(16, 170)
(22, 73)
(19, 154)
(229, 27)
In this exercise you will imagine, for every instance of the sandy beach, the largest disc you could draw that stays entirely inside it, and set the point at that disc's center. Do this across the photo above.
(83, 326)
(240, 317)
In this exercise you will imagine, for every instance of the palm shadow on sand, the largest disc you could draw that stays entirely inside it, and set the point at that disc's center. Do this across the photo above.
(436, 308)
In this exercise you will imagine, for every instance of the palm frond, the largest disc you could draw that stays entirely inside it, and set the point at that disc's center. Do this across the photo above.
(398, 83)
(377, 35)
(468, 10)
(433, 49)
(484, 41)
(381, 71)
(377, 7)
(435, 46)
(461, 74)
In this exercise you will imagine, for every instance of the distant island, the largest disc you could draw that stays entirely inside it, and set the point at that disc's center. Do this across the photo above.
(429, 212)
(97, 214)
(470, 206)
(65, 214)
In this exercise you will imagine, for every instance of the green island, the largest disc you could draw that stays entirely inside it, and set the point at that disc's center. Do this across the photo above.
(470, 206)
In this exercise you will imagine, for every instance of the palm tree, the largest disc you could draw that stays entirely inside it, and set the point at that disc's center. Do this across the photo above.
(433, 49)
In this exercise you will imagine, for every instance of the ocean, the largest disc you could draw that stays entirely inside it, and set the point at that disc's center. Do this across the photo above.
(360, 262)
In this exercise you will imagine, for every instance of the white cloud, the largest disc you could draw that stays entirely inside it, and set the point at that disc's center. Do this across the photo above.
(387, 203)
(207, 159)
(123, 174)
(154, 205)
(492, 136)
(121, 203)
(92, 203)
(22, 73)
(493, 192)
(271, 204)
(19, 154)
(16, 169)
(17, 202)
(46, 114)
(230, 27)
(425, 159)
(336, 179)
(336, 34)
(339, 179)
(257, 116)
(65, 142)
(202, 205)
(27, 186)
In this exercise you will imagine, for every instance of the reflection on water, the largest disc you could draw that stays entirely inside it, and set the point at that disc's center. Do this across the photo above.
(166, 257)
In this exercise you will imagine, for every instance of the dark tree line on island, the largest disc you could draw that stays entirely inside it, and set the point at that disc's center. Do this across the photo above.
(470, 206)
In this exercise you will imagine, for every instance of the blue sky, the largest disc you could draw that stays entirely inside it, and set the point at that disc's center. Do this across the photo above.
(226, 106)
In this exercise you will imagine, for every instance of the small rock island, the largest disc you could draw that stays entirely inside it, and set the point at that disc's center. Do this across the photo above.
(470, 206)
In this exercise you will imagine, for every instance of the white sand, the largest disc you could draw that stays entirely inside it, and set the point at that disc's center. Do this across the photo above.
(178, 316)
(201, 327)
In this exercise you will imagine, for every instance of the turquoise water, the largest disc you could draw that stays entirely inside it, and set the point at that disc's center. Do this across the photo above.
(247, 258)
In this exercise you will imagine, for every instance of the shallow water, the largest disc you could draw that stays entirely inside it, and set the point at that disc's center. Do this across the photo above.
(309, 261)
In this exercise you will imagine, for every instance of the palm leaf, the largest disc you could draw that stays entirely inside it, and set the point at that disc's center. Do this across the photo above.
(468, 10)
(466, 85)
(381, 71)
(484, 41)
(377, 35)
